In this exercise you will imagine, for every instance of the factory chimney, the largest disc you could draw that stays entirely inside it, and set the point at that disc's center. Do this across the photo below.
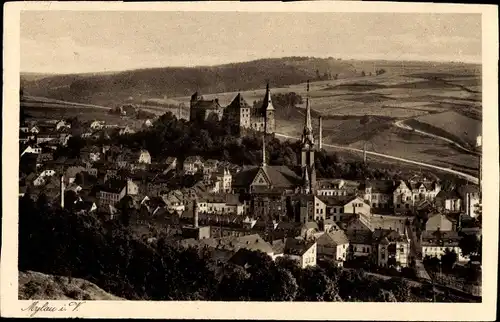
(195, 214)
(62, 191)
(320, 133)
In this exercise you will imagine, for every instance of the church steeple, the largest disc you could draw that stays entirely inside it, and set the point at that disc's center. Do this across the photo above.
(307, 155)
(268, 104)
(307, 133)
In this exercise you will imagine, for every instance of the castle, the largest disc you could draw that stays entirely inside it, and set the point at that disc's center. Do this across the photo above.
(260, 118)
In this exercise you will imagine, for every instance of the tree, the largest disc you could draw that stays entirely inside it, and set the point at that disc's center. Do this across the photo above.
(469, 244)
(314, 285)
(448, 259)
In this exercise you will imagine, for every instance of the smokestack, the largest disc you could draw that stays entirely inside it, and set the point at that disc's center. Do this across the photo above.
(195, 214)
(320, 133)
(62, 191)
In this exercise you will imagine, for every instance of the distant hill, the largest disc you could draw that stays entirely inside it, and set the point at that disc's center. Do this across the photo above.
(110, 89)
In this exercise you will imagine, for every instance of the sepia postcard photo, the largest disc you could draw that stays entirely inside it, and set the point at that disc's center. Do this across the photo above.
(279, 160)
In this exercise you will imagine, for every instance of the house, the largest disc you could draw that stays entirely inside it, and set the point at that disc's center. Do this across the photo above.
(114, 190)
(42, 138)
(471, 199)
(301, 250)
(439, 222)
(152, 205)
(334, 246)
(126, 130)
(210, 166)
(147, 123)
(220, 182)
(144, 157)
(310, 208)
(201, 109)
(64, 138)
(336, 187)
(40, 180)
(340, 207)
(173, 202)
(360, 243)
(400, 224)
(449, 200)
(378, 193)
(391, 249)
(435, 243)
(221, 204)
(71, 173)
(86, 135)
(92, 153)
(97, 125)
(24, 129)
(62, 124)
(32, 149)
(193, 164)
(171, 164)
(34, 129)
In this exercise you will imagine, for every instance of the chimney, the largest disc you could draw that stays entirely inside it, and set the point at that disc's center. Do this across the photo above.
(62, 191)
(320, 133)
(195, 214)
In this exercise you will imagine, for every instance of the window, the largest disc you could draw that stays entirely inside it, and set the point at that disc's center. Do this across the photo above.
(334, 210)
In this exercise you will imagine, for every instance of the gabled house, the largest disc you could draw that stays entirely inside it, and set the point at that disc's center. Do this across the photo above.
(114, 190)
(144, 157)
(31, 149)
(126, 130)
(391, 249)
(340, 207)
(62, 124)
(336, 187)
(435, 243)
(439, 222)
(303, 251)
(193, 164)
(471, 199)
(97, 125)
(333, 246)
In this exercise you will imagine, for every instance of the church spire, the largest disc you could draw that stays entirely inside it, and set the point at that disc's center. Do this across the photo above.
(307, 134)
(267, 105)
(308, 111)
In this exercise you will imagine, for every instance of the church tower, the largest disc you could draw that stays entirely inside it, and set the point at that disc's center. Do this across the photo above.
(268, 109)
(307, 153)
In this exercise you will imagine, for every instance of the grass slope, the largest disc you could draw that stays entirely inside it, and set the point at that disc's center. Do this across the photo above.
(38, 286)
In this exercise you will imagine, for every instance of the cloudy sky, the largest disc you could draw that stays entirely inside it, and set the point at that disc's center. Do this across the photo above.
(68, 42)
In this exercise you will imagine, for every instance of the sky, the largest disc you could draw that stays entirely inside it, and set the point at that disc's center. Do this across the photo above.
(98, 41)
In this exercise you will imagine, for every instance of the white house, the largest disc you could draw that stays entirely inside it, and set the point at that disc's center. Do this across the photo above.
(333, 245)
(144, 157)
(303, 251)
(435, 243)
(340, 207)
(62, 124)
(30, 149)
(97, 125)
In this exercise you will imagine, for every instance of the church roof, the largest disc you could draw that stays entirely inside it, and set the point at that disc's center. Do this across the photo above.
(239, 102)
(281, 176)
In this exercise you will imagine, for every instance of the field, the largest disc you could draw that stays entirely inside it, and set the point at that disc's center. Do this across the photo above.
(442, 99)
(458, 127)
(445, 102)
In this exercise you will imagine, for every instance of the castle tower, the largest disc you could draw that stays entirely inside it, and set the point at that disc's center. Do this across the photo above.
(307, 155)
(268, 109)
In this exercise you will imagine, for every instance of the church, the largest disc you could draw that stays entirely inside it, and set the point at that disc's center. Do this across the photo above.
(269, 185)
(260, 118)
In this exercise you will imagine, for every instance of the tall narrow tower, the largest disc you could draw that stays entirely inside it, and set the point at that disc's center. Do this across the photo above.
(268, 110)
(62, 191)
(320, 133)
(307, 155)
(195, 214)
(263, 150)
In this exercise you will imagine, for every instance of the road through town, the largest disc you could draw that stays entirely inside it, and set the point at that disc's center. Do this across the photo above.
(465, 176)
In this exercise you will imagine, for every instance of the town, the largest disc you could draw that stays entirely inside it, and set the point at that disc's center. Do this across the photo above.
(414, 227)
